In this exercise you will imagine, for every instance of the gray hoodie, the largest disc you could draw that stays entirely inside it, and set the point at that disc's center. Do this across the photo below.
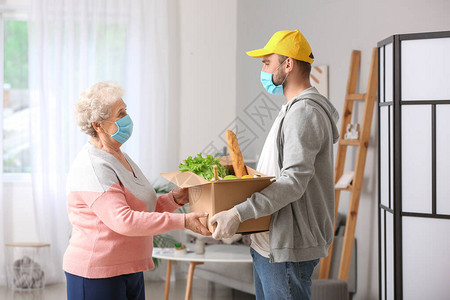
(301, 201)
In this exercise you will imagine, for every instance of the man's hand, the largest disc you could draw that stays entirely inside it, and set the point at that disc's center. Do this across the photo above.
(192, 222)
(180, 195)
(227, 223)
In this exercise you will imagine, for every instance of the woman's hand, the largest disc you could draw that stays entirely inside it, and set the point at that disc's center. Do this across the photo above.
(192, 222)
(180, 195)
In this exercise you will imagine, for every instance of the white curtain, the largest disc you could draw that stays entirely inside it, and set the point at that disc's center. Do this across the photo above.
(73, 44)
(2, 210)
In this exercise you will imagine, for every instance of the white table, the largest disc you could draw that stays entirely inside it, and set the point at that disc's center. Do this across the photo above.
(220, 253)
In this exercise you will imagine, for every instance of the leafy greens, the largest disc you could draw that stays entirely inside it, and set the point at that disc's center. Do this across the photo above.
(203, 166)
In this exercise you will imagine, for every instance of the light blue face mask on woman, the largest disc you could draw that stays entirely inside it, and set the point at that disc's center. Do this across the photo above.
(124, 129)
(267, 82)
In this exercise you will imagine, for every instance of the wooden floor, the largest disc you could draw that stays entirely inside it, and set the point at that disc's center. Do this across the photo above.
(154, 290)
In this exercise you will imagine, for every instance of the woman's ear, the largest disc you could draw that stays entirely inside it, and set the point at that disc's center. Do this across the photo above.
(97, 127)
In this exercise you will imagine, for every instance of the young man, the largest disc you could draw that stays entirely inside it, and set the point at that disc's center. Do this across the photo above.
(299, 152)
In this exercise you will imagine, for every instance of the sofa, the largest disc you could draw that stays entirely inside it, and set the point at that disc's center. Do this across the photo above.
(240, 276)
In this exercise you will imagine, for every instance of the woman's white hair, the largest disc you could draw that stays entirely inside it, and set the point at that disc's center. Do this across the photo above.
(94, 104)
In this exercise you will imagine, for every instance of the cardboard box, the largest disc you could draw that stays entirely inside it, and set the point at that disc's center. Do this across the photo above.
(214, 197)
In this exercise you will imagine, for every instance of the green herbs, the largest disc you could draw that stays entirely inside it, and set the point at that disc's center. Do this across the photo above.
(203, 166)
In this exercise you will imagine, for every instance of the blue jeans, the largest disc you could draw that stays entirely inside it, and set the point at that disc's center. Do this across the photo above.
(129, 286)
(284, 281)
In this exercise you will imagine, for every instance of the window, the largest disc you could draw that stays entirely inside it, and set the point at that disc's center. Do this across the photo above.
(110, 45)
(15, 113)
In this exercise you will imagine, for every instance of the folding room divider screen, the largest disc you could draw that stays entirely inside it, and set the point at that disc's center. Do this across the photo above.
(414, 166)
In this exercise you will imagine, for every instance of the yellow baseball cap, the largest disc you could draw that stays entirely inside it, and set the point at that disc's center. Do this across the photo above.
(288, 43)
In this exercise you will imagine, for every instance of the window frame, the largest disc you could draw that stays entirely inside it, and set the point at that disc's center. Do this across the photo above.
(9, 13)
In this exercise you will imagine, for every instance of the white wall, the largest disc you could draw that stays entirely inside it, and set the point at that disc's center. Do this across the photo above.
(334, 28)
(174, 83)
(18, 203)
(15, 2)
(207, 31)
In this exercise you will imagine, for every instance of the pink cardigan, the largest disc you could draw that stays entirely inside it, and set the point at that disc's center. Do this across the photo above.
(114, 215)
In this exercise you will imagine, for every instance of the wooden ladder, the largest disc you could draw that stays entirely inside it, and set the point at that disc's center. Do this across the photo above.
(358, 173)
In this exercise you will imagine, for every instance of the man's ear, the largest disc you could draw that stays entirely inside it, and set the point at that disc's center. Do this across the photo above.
(289, 64)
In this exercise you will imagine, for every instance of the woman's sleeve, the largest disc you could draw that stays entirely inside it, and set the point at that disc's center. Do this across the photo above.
(166, 203)
(113, 210)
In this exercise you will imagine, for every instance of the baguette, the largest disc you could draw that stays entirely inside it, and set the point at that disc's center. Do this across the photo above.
(236, 155)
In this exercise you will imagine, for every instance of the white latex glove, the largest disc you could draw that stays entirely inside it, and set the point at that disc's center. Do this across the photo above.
(227, 223)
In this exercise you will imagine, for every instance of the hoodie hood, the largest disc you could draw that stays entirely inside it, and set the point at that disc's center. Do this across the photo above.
(313, 95)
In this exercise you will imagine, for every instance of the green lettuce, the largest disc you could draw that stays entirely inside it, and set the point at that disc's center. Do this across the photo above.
(203, 166)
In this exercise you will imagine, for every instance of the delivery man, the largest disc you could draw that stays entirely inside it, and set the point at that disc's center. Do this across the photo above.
(299, 152)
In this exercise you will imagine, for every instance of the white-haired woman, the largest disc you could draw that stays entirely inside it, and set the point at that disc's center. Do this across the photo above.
(113, 208)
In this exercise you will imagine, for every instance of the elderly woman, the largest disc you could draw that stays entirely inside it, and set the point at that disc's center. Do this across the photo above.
(113, 208)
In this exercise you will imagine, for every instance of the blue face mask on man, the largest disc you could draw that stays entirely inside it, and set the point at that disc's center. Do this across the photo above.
(267, 82)
(124, 129)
